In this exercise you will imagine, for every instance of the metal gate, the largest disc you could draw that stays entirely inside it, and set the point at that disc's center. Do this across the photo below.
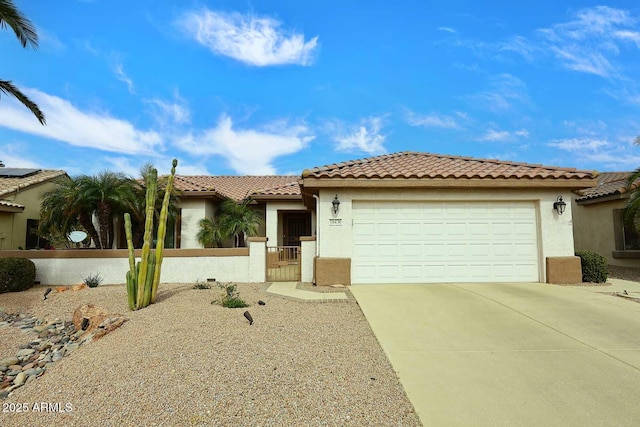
(283, 264)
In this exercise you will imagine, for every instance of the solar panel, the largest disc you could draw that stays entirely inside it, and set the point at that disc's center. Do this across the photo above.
(17, 172)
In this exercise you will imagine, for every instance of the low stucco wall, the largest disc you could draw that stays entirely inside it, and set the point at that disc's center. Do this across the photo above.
(332, 271)
(564, 270)
(66, 267)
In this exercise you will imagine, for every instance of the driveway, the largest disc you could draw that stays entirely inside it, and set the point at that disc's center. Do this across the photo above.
(511, 354)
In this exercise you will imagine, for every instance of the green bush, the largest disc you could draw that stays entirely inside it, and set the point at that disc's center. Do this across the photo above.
(231, 298)
(594, 267)
(201, 285)
(16, 274)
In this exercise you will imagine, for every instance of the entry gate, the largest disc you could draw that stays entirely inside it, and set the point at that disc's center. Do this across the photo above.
(283, 263)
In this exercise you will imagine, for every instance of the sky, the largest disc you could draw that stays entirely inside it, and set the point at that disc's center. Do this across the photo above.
(275, 87)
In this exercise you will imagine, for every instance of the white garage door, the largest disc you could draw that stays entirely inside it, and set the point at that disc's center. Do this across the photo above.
(431, 242)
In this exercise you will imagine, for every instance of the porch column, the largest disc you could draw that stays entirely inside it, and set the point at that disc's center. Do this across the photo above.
(257, 259)
(307, 253)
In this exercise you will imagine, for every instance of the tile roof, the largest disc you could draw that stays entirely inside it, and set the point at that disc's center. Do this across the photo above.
(609, 184)
(288, 189)
(426, 165)
(9, 185)
(235, 187)
(9, 204)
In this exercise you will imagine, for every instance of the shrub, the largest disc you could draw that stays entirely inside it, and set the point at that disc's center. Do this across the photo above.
(93, 280)
(594, 267)
(231, 298)
(201, 285)
(16, 274)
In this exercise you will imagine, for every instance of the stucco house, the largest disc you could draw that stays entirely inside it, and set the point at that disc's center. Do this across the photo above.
(20, 191)
(598, 222)
(277, 198)
(414, 217)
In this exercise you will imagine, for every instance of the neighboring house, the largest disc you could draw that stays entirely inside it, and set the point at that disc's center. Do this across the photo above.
(421, 218)
(20, 191)
(598, 221)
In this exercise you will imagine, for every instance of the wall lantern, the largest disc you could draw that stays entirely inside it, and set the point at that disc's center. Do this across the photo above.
(559, 205)
(336, 204)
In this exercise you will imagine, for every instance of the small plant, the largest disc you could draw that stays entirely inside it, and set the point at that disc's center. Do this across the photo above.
(201, 285)
(16, 274)
(594, 267)
(231, 297)
(93, 280)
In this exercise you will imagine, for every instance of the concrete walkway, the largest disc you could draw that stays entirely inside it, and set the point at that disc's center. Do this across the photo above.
(511, 354)
(290, 290)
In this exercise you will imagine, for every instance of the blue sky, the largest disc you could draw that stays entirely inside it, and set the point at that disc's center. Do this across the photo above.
(264, 87)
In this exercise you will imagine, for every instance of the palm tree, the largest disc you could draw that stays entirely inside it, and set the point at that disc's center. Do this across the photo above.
(26, 33)
(209, 233)
(107, 194)
(62, 207)
(238, 220)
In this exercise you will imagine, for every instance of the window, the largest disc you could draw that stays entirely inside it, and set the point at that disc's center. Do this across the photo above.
(33, 240)
(627, 237)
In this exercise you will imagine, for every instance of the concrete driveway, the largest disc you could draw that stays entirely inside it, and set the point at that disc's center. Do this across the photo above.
(511, 354)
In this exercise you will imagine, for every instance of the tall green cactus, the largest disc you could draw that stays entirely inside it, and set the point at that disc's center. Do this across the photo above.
(143, 277)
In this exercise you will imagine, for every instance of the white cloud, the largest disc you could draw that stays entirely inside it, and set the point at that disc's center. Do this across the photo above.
(123, 77)
(68, 124)
(431, 120)
(248, 151)
(168, 113)
(362, 137)
(505, 92)
(580, 145)
(447, 29)
(13, 157)
(258, 41)
(494, 135)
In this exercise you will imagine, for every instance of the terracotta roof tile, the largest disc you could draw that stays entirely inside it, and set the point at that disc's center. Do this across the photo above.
(10, 185)
(234, 187)
(427, 165)
(289, 189)
(10, 204)
(609, 184)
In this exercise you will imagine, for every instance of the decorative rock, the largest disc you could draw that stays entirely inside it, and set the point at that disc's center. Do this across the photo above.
(3, 368)
(30, 378)
(25, 352)
(57, 356)
(15, 367)
(13, 373)
(20, 379)
(27, 366)
(72, 347)
(8, 361)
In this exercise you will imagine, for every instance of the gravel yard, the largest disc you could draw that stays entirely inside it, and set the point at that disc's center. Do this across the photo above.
(185, 362)
(625, 273)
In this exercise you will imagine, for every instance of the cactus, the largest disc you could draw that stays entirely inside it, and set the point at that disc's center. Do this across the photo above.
(143, 277)
(162, 230)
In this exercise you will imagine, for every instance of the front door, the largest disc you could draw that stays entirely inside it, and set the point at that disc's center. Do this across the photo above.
(295, 224)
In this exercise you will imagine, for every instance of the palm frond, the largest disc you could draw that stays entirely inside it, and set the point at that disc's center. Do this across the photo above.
(23, 28)
(8, 88)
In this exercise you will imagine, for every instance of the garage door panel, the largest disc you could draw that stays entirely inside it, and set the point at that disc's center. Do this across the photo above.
(415, 242)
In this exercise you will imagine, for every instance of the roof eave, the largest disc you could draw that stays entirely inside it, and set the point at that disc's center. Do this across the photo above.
(272, 197)
(602, 199)
(572, 183)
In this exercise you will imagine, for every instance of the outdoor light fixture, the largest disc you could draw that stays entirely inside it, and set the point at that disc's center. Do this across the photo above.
(336, 204)
(559, 205)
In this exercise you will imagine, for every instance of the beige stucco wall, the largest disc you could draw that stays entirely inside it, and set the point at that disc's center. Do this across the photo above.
(555, 232)
(193, 210)
(13, 226)
(593, 230)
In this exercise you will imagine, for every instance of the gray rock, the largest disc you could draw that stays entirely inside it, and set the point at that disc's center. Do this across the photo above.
(57, 356)
(13, 373)
(3, 368)
(5, 323)
(72, 347)
(30, 378)
(8, 361)
(20, 379)
(25, 352)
